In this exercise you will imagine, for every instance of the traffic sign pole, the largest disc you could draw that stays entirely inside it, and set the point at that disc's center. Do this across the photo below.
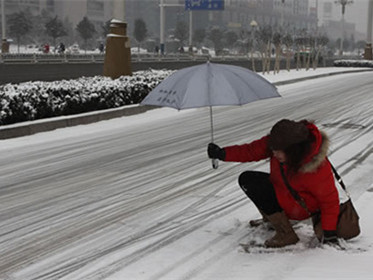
(162, 27)
(190, 31)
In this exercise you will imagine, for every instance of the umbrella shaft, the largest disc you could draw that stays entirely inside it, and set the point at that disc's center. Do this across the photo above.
(212, 126)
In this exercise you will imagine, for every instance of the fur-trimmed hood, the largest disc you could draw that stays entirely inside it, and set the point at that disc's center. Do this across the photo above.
(319, 150)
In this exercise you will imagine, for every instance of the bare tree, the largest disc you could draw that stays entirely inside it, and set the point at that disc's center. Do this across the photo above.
(300, 42)
(277, 41)
(264, 39)
(322, 41)
(288, 42)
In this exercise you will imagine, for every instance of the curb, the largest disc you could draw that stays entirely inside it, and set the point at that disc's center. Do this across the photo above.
(320, 76)
(32, 127)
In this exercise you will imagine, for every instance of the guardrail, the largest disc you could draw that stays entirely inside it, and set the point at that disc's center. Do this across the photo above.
(99, 58)
(22, 68)
(12, 58)
(51, 58)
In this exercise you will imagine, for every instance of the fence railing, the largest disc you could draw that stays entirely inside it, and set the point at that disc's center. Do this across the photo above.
(50, 58)
(99, 58)
(13, 58)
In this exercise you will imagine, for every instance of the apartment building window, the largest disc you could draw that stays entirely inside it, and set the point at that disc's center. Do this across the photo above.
(50, 5)
(95, 7)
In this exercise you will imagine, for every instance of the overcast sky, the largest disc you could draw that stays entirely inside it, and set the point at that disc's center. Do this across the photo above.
(357, 12)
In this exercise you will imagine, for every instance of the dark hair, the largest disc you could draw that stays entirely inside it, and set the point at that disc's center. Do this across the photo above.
(296, 153)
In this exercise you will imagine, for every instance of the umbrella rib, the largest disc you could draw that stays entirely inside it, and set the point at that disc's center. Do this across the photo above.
(192, 69)
(183, 101)
(248, 85)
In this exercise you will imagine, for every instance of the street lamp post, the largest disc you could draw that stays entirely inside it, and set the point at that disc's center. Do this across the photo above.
(343, 3)
(253, 25)
(162, 6)
(190, 32)
(3, 19)
(282, 13)
(4, 43)
(161, 34)
(368, 48)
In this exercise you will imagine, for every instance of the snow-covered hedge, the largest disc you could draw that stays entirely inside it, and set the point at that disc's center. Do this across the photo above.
(353, 63)
(37, 100)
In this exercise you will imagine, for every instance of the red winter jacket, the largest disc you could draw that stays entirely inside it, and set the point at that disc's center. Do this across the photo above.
(314, 181)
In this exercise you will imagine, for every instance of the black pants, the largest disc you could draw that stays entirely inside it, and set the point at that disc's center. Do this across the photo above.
(259, 189)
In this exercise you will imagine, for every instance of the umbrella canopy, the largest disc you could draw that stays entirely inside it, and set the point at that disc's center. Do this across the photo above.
(210, 84)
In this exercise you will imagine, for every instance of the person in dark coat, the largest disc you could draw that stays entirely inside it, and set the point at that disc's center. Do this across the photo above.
(299, 150)
(101, 47)
(61, 48)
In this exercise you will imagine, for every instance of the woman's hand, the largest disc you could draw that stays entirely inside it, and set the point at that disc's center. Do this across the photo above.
(214, 151)
(330, 237)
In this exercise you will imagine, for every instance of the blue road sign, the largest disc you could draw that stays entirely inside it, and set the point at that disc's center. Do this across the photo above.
(204, 4)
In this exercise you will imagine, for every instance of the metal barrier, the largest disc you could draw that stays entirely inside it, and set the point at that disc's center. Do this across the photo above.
(11, 58)
(50, 58)
(99, 58)
(41, 67)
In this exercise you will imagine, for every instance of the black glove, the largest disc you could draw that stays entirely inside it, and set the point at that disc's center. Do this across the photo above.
(214, 151)
(330, 237)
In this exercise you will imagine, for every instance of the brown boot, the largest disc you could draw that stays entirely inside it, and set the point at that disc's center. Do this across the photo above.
(285, 234)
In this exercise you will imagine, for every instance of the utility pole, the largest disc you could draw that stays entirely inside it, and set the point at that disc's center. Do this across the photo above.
(343, 3)
(162, 6)
(161, 35)
(282, 14)
(368, 48)
(253, 25)
(317, 22)
(190, 32)
(4, 43)
(3, 20)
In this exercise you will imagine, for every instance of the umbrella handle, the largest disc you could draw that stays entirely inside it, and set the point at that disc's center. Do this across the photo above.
(215, 163)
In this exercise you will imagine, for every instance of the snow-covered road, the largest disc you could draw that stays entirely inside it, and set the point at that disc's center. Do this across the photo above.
(136, 197)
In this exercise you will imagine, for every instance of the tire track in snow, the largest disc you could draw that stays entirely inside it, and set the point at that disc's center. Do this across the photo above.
(121, 185)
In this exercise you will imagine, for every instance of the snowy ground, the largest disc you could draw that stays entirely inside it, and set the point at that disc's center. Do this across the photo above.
(136, 198)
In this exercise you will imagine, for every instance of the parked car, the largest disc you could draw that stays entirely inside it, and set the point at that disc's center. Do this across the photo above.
(74, 49)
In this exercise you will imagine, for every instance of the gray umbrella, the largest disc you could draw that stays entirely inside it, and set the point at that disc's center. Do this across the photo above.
(210, 84)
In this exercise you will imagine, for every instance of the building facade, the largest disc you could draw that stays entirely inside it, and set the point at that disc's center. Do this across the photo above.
(237, 14)
(98, 11)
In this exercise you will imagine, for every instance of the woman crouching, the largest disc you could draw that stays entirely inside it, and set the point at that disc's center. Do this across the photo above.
(298, 166)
